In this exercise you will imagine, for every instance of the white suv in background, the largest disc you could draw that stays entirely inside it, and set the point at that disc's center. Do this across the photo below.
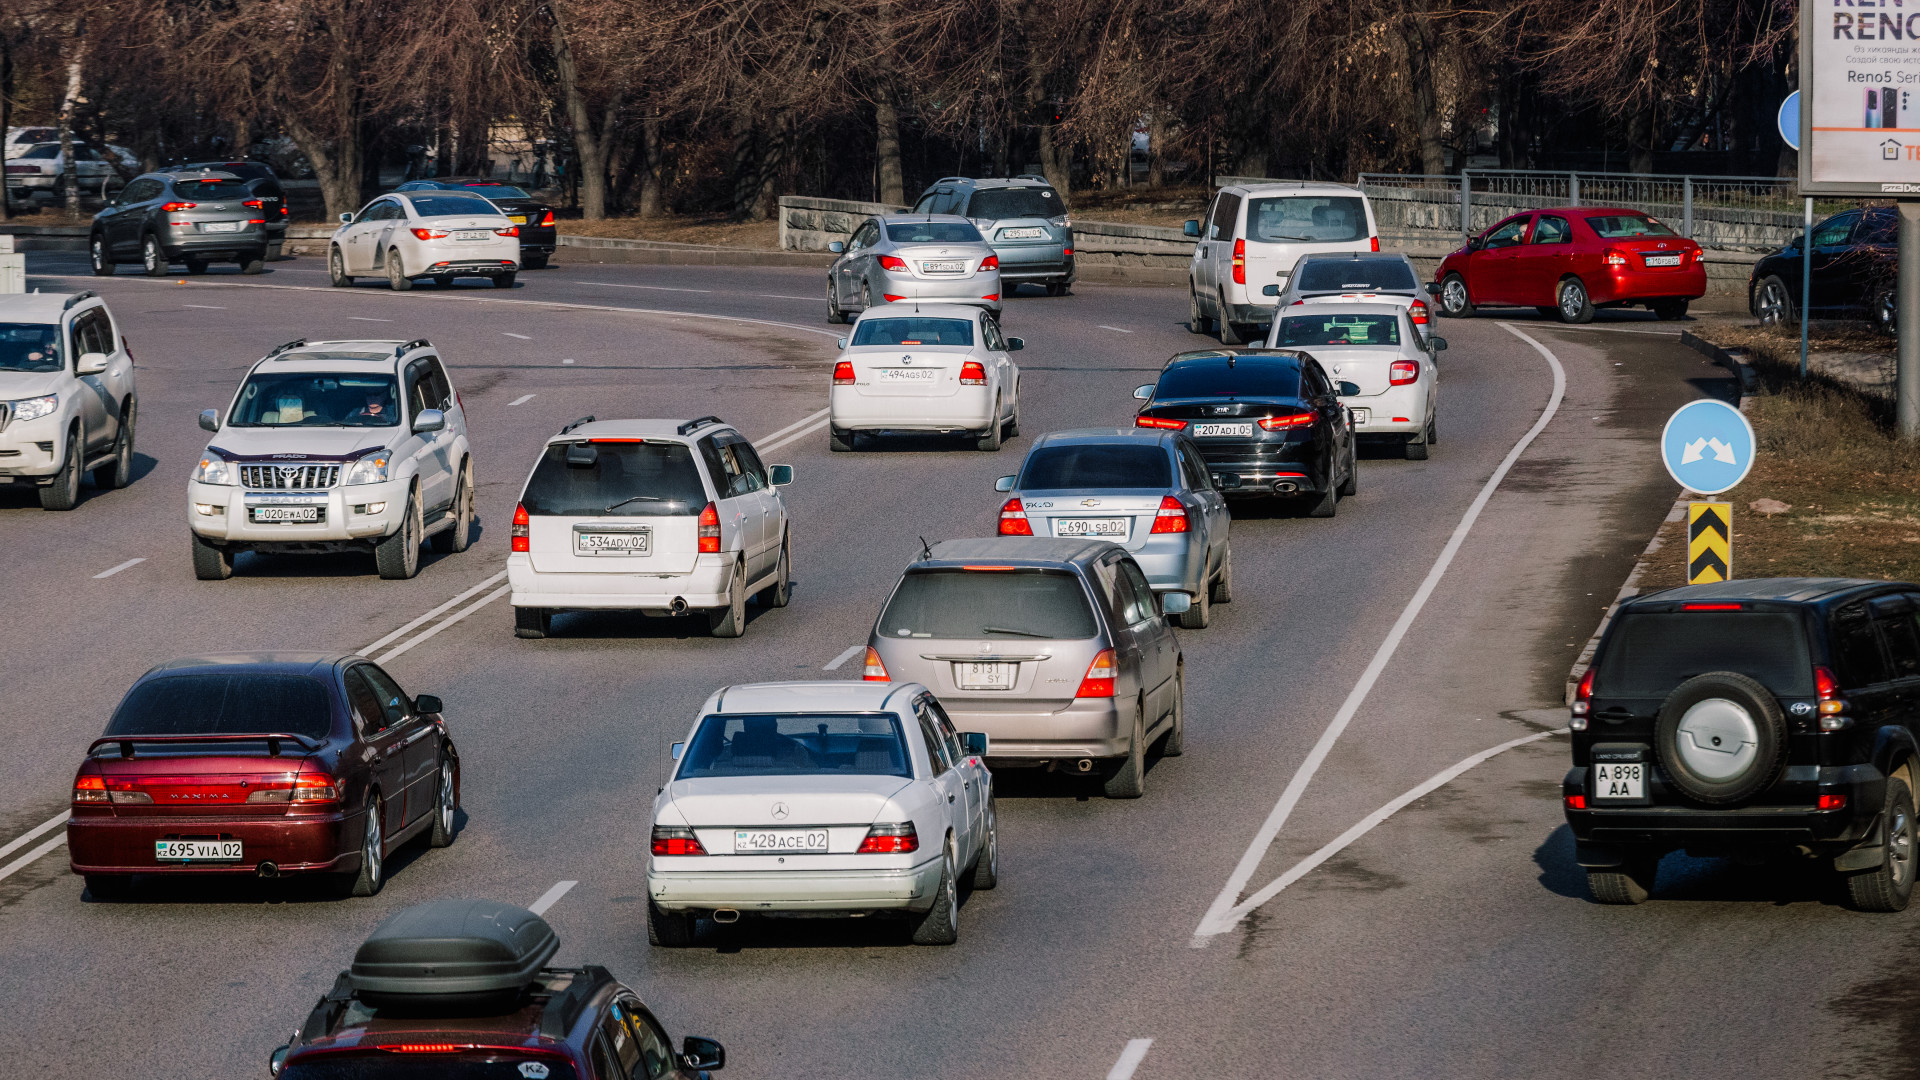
(335, 446)
(66, 396)
(1252, 237)
(658, 516)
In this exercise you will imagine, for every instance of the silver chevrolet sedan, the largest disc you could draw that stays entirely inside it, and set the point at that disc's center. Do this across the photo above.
(938, 257)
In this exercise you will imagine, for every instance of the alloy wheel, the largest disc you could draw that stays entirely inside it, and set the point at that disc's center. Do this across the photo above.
(1454, 295)
(1900, 845)
(1772, 304)
(445, 809)
(370, 854)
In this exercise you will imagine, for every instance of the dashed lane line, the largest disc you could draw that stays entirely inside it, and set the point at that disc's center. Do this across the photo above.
(852, 651)
(129, 564)
(522, 337)
(204, 307)
(403, 647)
(397, 634)
(551, 897)
(651, 288)
(1130, 1059)
(1115, 329)
(521, 400)
(363, 318)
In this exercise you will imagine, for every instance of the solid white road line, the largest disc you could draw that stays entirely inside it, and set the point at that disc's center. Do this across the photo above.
(551, 897)
(1221, 916)
(651, 288)
(1130, 1059)
(852, 651)
(205, 307)
(522, 337)
(494, 580)
(463, 613)
(24, 861)
(117, 569)
(33, 834)
(1115, 329)
(783, 296)
(363, 318)
(521, 400)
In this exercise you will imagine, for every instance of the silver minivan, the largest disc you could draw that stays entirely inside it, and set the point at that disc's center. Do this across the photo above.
(1058, 649)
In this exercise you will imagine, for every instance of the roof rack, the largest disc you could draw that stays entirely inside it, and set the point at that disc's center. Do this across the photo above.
(278, 349)
(77, 297)
(692, 426)
(583, 420)
(417, 343)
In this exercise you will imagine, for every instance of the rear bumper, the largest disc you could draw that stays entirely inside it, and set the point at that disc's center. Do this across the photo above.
(1382, 409)
(309, 843)
(1790, 822)
(179, 243)
(1689, 283)
(1179, 566)
(966, 409)
(1035, 262)
(1286, 462)
(705, 586)
(1088, 728)
(973, 290)
(750, 891)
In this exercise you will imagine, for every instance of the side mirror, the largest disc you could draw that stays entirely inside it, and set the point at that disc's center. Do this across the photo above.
(346, 219)
(836, 247)
(92, 363)
(425, 704)
(1015, 344)
(429, 420)
(1191, 228)
(1003, 484)
(1475, 244)
(1433, 288)
(209, 420)
(277, 1060)
(781, 475)
(699, 1054)
(1226, 481)
(1144, 392)
(1349, 389)
(1175, 603)
(1439, 344)
(841, 342)
(677, 749)
(1270, 290)
(976, 742)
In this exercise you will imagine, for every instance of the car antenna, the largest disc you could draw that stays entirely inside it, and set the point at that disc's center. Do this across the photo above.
(926, 550)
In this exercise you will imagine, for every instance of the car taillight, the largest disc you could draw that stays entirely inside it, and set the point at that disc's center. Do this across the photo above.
(994, 296)
(511, 230)
(670, 840)
(168, 208)
(254, 204)
(1172, 517)
(257, 221)
(891, 839)
(710, 528)
(873, 670)
(892, 298)
(1287, 420)
(90, 789)
(972, 374)
(1696, 255)
(315, 788)
(1375, 241)
(1417, 311)
(547, 220)
(1576, 802)
(429, 234)
(519, 531)
(1099, 679)
(1615, 257)
(1832, 706)
(1832, 800)
(1013, 519)
(283, 210)
(894, 263)
(1403, 372)
(1066, 251)
(843, 373)
(1582, 702)
(1160, 422)
(991, 262)
(1239, 262)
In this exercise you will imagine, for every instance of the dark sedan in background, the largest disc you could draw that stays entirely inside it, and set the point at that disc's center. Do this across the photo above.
(534, 217)
(265, 185)
(1855, 260)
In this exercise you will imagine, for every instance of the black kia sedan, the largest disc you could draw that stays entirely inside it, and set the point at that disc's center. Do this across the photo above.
(534, 217)
(1268, 422)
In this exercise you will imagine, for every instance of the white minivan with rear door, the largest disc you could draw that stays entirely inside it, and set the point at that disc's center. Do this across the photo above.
(1252, 236)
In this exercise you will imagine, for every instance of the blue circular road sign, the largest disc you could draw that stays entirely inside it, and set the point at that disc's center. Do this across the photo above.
(1707, 446)
(1789, 120)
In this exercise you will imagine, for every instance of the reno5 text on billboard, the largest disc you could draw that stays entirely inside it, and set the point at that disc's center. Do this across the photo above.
(1860, 84)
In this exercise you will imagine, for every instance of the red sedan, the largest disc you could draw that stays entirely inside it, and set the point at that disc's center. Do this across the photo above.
(1568, 261)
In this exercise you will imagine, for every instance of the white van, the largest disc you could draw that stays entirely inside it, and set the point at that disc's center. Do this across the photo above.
(1251, 238)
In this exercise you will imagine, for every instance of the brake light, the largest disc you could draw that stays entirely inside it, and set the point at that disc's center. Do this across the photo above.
(257, 221)
(1832, 800)
(1832, 705)
(168, 208)
(1283, 422)
(710, 528)
(1375, 241)
(893, 262)
(972, 374)
(990, 296)
(874, 671)
(991, 262)
(890, 839)
(1615, 257)
(315, 788)
(1418, 312)
(1172, 517)
(519, 530)
(892, 298)
(1239, 262)
(547, 220)
(1403, 372)
(425, 1048)
(1696, 255)
(668, 840)
(843, 373)
(1576, 802)
(254, 203)
(1159, 422)
(1013, 519)
(1099, 679)
(429, 234)
(1066, 251)
(283, 210)
(1582, 702)
(511, 230)
(1709, 607)
(90, 789)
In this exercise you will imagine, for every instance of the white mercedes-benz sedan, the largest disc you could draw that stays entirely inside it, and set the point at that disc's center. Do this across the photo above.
(811, 798)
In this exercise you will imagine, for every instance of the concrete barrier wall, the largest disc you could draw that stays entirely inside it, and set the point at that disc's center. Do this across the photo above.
(808, 224)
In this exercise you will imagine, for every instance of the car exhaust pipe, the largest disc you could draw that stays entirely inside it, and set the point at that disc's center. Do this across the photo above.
(726, 915)
(268, 869)
(679, 605)
(1084, 765)
(1285, 487)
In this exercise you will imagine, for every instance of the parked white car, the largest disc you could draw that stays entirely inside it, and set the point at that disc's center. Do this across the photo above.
(335, 446)
(811, 798)
(1252, 237)
(659, 516)
(438, 235)
(67, 400)
(925, 368)
(39, 169)
(1381, 362)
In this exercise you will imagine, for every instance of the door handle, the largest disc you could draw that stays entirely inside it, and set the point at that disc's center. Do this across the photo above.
(389, 751)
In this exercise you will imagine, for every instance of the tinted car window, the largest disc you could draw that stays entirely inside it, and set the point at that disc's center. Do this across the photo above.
(1340, 330)
(237, 703)
(1340, 275)
(210, 189)
(1857, 653)
(927, 331)
(1320, 219)
(395, 705)
(498, 191)
(997, 203)
(41, 153)
(316, 399)
(808, 744)
(1903, 645)
(492, 1064)
(1015, 603)
(246, 170)
(1626, 226)
(646, 479)
(140, 191)
(933, 232)
(1878, 227)
(1095, 467)
(937, 756)
(1651, 653)
(1225, 210)
(450, 204)
(30, 347)
(1141, 604)
(1211, 377)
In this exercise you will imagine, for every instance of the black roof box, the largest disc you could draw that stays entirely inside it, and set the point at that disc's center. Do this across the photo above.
(452, 954)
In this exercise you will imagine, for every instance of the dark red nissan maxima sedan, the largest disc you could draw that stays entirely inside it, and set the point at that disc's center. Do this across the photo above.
(264, 764)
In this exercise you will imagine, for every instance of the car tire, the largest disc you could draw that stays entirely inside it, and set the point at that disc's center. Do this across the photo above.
(731, 621)
(780, 592)
(1433, 430)
(1669, 310)
(1573, 305)
(1197, 321)
(397, 557)
(445, 802)
(504, 281)
(1174, 742)
(337, 269)
(941, 923)
(105, 887)
(985, 872)
(1416, 448)
(64, 492)
(834, 315)
(397, 278)
(255, 263)
(839, 440)
(97, 255)
(1773, 303)
(1229, 333)
(1889, 886)
(669, 930)
(534, 262)
(1200, 615)
(532, 622)
(1012, 430)
(1222, 587)
(1629, 883)
(1327, 505)
(373, 857)
(1884, 312)
(152, 259)
(1455, 302)
(118, 473)
(1129, 780)
(210, 561)
(1745, 708)
(989, 440)
(1351, 485)
(460, 537)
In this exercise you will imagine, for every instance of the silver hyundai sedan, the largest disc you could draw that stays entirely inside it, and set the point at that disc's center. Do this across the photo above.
(1146, 490)
(938, 257)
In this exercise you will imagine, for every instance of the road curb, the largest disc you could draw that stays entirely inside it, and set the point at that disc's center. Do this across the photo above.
(1734, 360)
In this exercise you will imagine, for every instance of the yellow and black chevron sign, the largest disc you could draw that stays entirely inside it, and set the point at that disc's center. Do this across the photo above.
(1709, 542)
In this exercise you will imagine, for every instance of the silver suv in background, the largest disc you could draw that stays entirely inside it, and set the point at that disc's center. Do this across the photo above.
(1024, 219)
(196, 218)
(66, 396)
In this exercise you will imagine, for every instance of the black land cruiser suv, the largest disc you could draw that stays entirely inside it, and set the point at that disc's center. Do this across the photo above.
(1752, 717)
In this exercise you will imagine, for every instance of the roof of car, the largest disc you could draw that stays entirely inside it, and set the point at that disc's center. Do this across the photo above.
(181, 172)
(1028, 180)
(1351, 256)
(910, 311)
(544, 1018)
(1022, 550)
(1249, 353)
(1789, 590)
(1299, 187)
(464, 181)
(635, 429)
(329, 355)
(41, 307)
(921, 219)
(1105, 435)
(280, 661)
(836, 696)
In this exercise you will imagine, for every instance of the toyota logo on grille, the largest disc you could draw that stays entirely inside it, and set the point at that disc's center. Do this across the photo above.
(289, 474)
(780, 811)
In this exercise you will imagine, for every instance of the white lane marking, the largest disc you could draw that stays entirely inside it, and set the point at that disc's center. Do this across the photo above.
(551, 897)
(363, 318)
(123, 566)
(797, 424)
(1130, 1059)
(24, 861)
(205, 307)
(812, 426)
(852, 651)
(783, 296)
(522, 337)
(494, 580)
(34, 833)
(1115, 329)
(463, 613)
(1221, 916)
(653, 288)
(1616, 330)
(1365, 825)
(568, 360)
(521, 400)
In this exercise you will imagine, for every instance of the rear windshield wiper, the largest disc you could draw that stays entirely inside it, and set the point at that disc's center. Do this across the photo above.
(631, 498)
(1009, 630)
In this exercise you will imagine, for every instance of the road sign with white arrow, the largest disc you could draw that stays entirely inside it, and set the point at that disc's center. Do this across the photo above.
(1707, 446)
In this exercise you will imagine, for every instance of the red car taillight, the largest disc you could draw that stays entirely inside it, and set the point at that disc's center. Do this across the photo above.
(511, 230)
(255, 204)
(315, 788)
(894, 263)
(1288, 420)
(168, 208)
(1582, 701)
(1832, 706)
(519, 531)
(1375, 241)
(1099, 678)
(547, 220)
(1239, 262)
(873, 670)
(1614, 257)
(991, 262)
(990, 296)
(893, 839)
(1013, 519)
(429, 234)
(843, 373)
(710, 529)
(90, 789)
(1160, 422)
(668, 840)
(1172, 517)
(1403, 372)
(972, 374)
(1417, 311)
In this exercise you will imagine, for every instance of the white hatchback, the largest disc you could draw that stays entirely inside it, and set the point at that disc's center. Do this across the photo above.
(925, 368)
(1384, 366)
(439, 235)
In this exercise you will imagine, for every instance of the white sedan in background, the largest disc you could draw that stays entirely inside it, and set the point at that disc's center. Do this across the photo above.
(1383, 366)
(851, 798)
(439, 235)
(925, 368)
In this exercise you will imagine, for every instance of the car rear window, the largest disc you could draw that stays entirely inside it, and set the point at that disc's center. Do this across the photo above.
(1650, 653)
(211, 189)
(48, 150)
(1343, 275)
(933, 232)
(316, 399)
(998, 204)
(1095, 467)
(1626, 226)
(805, 744)
(1211, 377)
(246, 170)
(1339, 330)
(498, 191)
(1317, 219)
(450, 204)
(472, 1065)
(928, 331)
(617, 479)
(233, 703)
(1004, 603)
(30, 347)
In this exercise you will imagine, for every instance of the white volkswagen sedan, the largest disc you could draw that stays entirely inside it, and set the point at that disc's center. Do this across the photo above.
(438, 235)
(1384, 368)
(925, 368)
(839, 798)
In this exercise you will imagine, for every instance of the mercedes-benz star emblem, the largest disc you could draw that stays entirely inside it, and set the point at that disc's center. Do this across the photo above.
(780, 811)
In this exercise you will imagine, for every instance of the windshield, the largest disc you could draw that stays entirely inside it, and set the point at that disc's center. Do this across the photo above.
(472, 1065)
(1339, 330)
(1012, 603)
(927, 331)
(1096, 467)
(498, 191)
(1626, 226)
(1211, 377)
(450, 204)
(998, 204)
(808, 744)
(619, 479)
(933, 232)
(30, 347)
(316, 399)
(1343, 275)
(1319, 219)
(1651, 653)
(239, 703)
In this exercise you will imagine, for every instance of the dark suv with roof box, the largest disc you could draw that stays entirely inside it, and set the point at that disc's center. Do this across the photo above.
(1752, 718)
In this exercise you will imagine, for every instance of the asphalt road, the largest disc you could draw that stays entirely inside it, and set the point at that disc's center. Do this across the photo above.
(1453, 939)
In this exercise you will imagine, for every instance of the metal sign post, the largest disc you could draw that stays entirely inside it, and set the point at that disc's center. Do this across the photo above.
(1806, 285)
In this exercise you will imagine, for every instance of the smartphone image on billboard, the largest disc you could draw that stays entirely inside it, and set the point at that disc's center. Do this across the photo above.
(1873, 108)
(1889, 108)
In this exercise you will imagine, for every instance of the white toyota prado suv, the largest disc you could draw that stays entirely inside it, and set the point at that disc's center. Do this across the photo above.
(335, 446)
(66, 396)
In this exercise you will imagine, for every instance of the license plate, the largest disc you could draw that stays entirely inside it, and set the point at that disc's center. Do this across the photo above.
(517, 219)
(1619, 780)
(638, 542)
(1090, 527)
(471, 234)
(779, 841)
(1222, 429)
(196, 851)
(906, 374)
(286, 515)
(219, 226)
(1022, 234)
(1360, 416)
(1663, 260)
(984, 675)
(943, 266)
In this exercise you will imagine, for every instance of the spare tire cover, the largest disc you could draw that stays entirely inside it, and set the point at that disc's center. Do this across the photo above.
(1721, 738)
